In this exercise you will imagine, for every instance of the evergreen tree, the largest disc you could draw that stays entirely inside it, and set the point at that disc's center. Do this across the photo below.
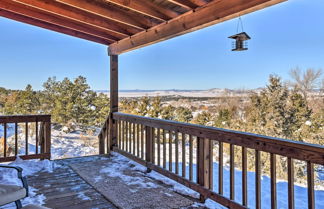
(168, 113)
(156, 107)
(27, 101)
(203, 118)
(143, 106)
(183, 114)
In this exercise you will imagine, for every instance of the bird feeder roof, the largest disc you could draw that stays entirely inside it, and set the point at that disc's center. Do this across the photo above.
(242, 36)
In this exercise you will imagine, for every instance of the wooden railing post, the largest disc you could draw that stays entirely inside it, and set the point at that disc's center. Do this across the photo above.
(101, 144)
(148, 145)
(113, 129)
(48, 138)
(203, 163)
(42, 137)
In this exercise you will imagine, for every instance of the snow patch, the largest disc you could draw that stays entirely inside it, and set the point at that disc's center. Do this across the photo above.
(82, 196)
(179, 188)
(117, 168)
(30, 167)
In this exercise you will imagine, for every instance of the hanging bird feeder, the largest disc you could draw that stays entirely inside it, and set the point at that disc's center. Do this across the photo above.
(240, 43)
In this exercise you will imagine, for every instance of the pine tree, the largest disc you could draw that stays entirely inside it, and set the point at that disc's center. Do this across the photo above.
(27, 101)
(143, 106)
(203, 118)
(155, 108)
(183, 114)
(168, 113)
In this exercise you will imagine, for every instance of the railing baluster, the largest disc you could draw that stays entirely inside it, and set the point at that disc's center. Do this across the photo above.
(126, 142)
(138, 140)
(142, 141)
(164, 149)
(273, 175)
(127, 137)
(26, 139)
(36, 137)
(220, 168)
(232, 169)
(130, 137)
(153, 145)
(133, 138)
(197, 159)
(291, 197)
(170, 151)
(129, 140)
(244, 176)
(124, 135)
(5, 140)
(148, 143)
(159, 146)
(107, 136)
(190, 158)
(257, 179)
(16, 139)
(176, 141)
(310, 185)
(119, 133)
(211, 164)
(183, 155)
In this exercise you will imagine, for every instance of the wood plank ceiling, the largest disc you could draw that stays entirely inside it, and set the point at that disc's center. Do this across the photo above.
(125, 25)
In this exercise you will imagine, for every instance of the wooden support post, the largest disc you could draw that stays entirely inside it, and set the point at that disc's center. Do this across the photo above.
(113, 100)
(203, 163)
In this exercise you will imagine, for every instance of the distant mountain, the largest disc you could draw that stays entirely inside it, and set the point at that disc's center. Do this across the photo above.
(215, 92)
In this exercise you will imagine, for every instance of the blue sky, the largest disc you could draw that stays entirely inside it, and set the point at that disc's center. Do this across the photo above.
(283, 36)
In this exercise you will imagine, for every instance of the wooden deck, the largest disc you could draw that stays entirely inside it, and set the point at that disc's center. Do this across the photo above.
(64, 188)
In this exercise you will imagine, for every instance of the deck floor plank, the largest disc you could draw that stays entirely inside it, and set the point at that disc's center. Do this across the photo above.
(64, 188)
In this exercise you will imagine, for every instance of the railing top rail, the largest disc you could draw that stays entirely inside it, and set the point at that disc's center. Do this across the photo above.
(24, 118)
(299, 150)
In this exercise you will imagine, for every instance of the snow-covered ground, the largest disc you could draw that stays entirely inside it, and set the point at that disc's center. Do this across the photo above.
(67, 145)
(63, 145)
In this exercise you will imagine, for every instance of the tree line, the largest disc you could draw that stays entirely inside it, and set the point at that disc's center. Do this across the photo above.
(70, 102)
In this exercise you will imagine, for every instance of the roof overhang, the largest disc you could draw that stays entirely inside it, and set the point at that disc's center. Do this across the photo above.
(125, 25)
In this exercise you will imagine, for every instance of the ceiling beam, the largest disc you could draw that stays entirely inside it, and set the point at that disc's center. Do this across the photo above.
(52, 27)
(113, 13)
(32, 12)
(185, 4)
(212, 13)
(147, 8)
(68, 12)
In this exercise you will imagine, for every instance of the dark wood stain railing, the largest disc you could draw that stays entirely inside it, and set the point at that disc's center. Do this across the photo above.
(140, 138)
(42, 136)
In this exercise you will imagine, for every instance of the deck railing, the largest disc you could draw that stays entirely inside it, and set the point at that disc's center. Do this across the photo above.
(41, 139)
(167, 146)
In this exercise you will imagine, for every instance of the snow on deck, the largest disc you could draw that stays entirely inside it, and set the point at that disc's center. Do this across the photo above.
(127, 185)
(55, 185)
(98, 182)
